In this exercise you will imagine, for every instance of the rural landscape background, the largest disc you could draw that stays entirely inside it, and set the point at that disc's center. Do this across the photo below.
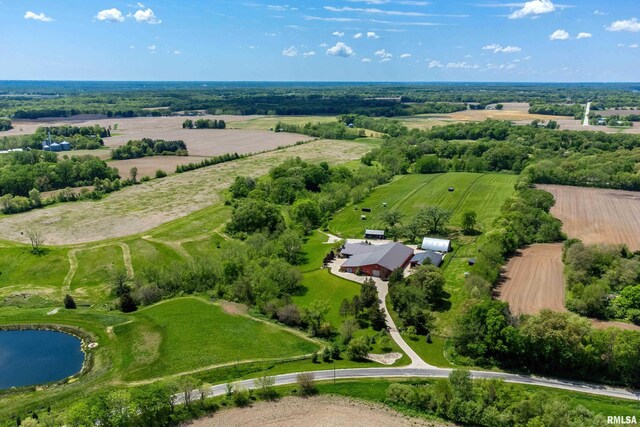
(388, 223)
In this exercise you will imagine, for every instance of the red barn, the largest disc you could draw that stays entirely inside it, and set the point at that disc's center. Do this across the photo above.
(378, 260)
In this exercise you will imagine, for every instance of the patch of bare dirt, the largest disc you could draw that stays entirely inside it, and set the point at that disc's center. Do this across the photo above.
(313, 411)
(385, 359)
(234, 308)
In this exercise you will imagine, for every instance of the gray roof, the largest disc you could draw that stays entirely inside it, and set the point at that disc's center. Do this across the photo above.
(351, 249)
(389, 256)
(374, 232)
(434, 257)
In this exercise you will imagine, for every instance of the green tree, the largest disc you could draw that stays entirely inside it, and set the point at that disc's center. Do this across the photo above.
(433, 219)
(133, 173)
(391, 218)
(469, 220)
(306, 212)
(255, 216)
(358, 348)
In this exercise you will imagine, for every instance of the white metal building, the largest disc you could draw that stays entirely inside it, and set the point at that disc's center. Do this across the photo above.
(436, 245)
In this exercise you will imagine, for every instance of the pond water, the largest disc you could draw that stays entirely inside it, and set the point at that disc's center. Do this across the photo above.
(37, 357)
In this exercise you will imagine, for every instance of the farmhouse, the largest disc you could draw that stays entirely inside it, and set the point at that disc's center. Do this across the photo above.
(374, 234)
(377, 260)
(436, 245)
(427, 257)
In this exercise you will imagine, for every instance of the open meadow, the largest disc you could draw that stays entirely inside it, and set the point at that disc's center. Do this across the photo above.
(145, 206)
(598, 215)
(482, 193)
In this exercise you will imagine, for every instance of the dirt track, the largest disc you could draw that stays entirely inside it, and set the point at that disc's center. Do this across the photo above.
(314, 411)
(534, 279)
(598, 215)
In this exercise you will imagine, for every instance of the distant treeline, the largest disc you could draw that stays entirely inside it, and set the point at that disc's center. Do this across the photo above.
(376, 100)
(330, 130)
(574, 110)
(204, 124)
(149, 147)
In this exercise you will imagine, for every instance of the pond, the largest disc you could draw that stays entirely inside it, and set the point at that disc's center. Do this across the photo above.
(35, 357)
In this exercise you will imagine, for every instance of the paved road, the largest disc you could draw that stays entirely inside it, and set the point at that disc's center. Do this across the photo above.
(586, 114)
(409, 372)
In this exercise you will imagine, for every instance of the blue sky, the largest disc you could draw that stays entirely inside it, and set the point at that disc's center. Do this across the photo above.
(326, 40)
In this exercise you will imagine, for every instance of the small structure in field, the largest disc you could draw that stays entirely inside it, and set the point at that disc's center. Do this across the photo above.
(65, 146)
(378, 260)
(427, 257)
(472, 261)
(436, 245)
(366, 209)
(373, 234)
(363, 217)
(451, 189)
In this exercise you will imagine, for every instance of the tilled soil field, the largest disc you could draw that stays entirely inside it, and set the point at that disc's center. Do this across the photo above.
(534, 280)
(596, 215)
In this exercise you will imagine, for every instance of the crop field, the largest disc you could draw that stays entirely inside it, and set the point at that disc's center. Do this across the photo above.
(188, 334)
(598, 215)
(269, 122)
(147, 166)
(534, 279)
(482, 193)
(148, 205)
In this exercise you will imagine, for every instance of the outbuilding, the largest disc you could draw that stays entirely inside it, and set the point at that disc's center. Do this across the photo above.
(379, 261)
(436, 245)
(427, 257)
(374, 234)
(65, 146)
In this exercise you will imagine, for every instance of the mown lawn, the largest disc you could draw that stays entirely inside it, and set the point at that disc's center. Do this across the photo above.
(21, 269)
(198, 223)
(321, 285)
(188, 333)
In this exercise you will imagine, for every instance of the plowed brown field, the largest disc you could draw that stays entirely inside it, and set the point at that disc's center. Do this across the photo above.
(534, 280)
(598, 215)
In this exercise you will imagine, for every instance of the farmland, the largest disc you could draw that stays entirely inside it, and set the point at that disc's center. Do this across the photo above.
(483, 193)
(148, 205)
(598, 215)
(534, 279)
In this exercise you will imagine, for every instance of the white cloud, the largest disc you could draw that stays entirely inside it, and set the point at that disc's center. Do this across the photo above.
(633, 46)
(385, 60)
(132, 46)
(599, 12)
(372, 35)
(110, 15)
(382, 53)
(435, 64)
(405, 55)
(152, 47)
(463, 65)
(358, 36)
(496, 48)
(177, 52)
(340, 49)
(140, 5)
(631, 25)
(308, 54)
(366, 60)
(338, 33)
(146, 16)
(535, 7)
(468, 56)
(323, 45)
(584, 36)
(621, 45)
(559, 35)
(37, 17)
(291, 51)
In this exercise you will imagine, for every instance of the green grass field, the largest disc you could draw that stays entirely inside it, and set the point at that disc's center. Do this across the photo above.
(268, 122)
(96, 266)
(188, 333)
(20, 269)
(483, 193)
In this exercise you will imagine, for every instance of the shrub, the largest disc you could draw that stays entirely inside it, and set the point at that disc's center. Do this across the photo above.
(69, 303)
(160, 173)
(307, 384)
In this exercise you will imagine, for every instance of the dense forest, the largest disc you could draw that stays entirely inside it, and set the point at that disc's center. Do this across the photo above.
(602, 280)
(30, 100)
